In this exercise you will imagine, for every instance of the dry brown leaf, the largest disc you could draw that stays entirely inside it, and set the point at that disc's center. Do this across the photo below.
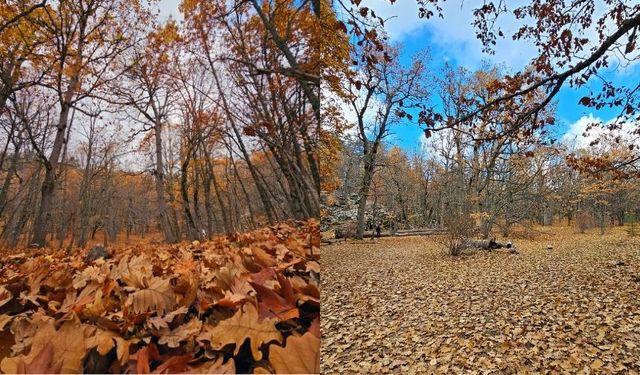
(243, 325)
(300, 355)
(158, 296)
(68, 343)
(313, 266)
(217, 367)
(597, 364)
(135, 272)
(5, 295)
(35, 334)
(43, 363)
(181, 333)
(4, 320)
(262, 257)
(122, 348)
(102, 341)
(88, 274)
(175, 364)
(132, 293)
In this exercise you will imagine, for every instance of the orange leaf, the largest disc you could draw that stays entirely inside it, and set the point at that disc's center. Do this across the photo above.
(301, 355)
(42, 363)
(271, 304)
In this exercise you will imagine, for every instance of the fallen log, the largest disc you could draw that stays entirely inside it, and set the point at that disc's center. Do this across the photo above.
(407, 233)
(349, 231)
(489, 245)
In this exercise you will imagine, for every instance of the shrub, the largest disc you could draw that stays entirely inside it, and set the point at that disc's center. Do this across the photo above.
(584, 221)
(459, 228)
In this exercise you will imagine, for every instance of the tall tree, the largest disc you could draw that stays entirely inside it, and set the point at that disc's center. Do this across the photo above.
(380, 91)
(86, 37)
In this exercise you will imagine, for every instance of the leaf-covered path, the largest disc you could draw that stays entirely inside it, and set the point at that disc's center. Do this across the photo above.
(403, 306)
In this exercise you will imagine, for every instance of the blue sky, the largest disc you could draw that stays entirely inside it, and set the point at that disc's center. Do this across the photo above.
(453, 40)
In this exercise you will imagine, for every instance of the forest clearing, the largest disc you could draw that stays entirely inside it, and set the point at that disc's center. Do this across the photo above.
(403, 305)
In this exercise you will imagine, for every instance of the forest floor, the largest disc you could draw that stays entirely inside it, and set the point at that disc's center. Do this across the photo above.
(401, 305)
(244, 302)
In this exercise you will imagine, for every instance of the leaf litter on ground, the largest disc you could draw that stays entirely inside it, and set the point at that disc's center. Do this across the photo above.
(239, 303)
(401, 305)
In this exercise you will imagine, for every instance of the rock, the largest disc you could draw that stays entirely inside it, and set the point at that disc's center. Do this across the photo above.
(346, 230)
(549, 247)
(97, 252)
(617, 262)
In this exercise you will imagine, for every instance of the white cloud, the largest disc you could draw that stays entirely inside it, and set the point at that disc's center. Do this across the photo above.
(348, 112)
(453, 34)
(574, 137)
(402, 17)
(456, 36)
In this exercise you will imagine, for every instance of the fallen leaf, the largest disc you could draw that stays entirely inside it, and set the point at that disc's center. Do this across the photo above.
(243, 325)
(181, 333)
(217, 367)
(158, 296)
(271, 304)
(43, 363)
(300, 355)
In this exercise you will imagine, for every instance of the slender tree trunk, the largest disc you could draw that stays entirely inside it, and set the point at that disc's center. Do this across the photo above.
(262, 191)
(163, 214)
(226, 221)
(192, 232)
(246, 195)
(7, 181)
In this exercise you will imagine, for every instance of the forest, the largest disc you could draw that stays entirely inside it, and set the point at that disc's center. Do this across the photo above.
(159, 186)
(479, 187)
(176, 175)
(116, 122)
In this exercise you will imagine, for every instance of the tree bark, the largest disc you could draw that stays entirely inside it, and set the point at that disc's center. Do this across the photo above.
(163, 214)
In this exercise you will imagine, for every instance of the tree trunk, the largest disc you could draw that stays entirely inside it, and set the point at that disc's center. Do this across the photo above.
(367, 177)
(163, 215)
(192, 231)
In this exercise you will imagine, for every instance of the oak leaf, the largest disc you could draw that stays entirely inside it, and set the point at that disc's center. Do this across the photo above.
(217, 367)
(135, 272)
(69, 344)
(271, 304)
(243, 325)
(175, 364)
(43, 363)
(262, 257)
(122, 348)
(181, 333)
(300, 355)
(5, 295)
(102, 341)
(157, 296)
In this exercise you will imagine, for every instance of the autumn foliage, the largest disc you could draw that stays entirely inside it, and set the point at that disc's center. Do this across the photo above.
(247, 302)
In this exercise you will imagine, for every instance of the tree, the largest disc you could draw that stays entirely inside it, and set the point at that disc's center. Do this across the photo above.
(149, 93)
(86, 37)
(395, 89)
(13, 12)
